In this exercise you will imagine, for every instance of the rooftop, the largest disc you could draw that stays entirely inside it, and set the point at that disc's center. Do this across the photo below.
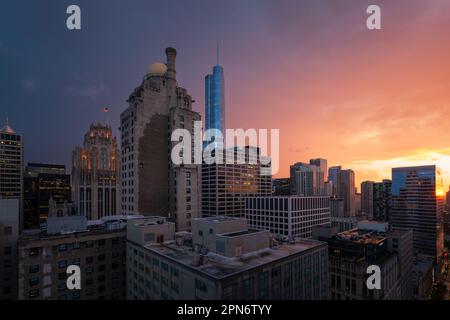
(102, 226)
(219, 267)
(240, 233)
(362, 236)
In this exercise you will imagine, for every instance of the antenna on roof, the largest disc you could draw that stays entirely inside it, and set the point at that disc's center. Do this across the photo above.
(217, 53)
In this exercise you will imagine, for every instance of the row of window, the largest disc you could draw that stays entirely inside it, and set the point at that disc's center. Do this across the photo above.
(35, 251)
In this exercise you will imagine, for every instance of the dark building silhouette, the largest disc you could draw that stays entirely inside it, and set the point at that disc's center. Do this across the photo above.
(42, 182)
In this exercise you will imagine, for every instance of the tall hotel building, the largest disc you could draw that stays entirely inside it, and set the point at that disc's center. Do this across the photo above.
(225, 186)
(215, 99)
(151, 183)
(11, 167)
(288, 217)
(95, 173)
(418, 205)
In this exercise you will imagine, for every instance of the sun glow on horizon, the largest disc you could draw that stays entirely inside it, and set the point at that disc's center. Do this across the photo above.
(381, 169)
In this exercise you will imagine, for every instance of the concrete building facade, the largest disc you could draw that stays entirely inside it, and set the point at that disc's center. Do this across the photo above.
(288, 217)
(98, 248)
(222, 259)
(151, 183)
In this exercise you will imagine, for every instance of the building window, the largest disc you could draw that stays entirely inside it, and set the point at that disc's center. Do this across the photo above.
(34, 252)
(200, 285)
(62, 264)
(62, 247)
(34, 281)
(34, 268)
(33, 293)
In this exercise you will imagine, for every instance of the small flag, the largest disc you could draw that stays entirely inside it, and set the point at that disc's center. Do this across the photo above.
(105, 109)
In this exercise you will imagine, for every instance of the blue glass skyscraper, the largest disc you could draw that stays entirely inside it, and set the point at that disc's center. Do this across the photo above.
(215, 99)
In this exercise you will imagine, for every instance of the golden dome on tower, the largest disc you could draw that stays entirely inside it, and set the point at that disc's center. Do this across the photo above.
(157, 69)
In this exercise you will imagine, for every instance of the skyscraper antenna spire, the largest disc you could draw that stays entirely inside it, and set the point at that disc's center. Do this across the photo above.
(7, 121)
(217, 53)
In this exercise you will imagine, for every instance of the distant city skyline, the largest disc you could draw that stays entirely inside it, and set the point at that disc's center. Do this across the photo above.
(368, 101)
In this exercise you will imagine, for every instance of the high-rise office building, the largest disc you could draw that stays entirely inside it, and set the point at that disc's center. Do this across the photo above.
(337, 207)
(9, 235)
(42, 182)
(417, 205)
(151, 183)
(225, 185)
(367, 198)
(215, 99)
(323, 165)
(333, 177)
(344, 187)
(11, 167)
(95, 174)
(307, 179)
(382, 198)
(222, 259)
(287, 217)
(357, 202)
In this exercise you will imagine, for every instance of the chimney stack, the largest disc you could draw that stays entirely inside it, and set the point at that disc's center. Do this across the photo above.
(171, 54)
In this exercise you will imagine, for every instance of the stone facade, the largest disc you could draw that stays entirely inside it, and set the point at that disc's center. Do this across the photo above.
(95, 172)
(151, 184)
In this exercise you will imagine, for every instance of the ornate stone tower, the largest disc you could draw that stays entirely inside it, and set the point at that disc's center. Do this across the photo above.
(151, 183)
(95, 174)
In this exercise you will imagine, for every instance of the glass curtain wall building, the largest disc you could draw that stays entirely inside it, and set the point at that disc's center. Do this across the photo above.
(418, 205)
(215, 101)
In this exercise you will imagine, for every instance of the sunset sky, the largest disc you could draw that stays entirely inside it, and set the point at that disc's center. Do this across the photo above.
(366, 100)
